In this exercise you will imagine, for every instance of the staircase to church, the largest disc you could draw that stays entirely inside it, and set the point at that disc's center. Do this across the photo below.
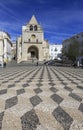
(31, 62)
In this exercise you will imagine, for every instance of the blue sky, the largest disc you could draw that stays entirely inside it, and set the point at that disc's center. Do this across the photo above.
(60, 19)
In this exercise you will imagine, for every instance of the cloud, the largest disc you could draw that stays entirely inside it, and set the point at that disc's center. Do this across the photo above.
(7, 11)
(11, 2)
(59, 22)
(14, 30)
(58, 34)
(42, 1)
(59, 16)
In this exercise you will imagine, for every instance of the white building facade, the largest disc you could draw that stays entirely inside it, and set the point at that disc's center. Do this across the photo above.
(55, 51)
(14, 51)
(5, 47)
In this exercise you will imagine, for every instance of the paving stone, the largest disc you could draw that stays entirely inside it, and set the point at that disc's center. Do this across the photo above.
(81, 107)
(17, 81)
(53, 89)
(57, 98)
(3, 91)
(20, 91)
(69, 89)
(80, 87)
(37, 90)
(52, 84)
(25, 85)
(11, 102)
(63, 118)
(29, 81)
(30, 120)
(1, 119)
(35, 100)
(4, 82)
(39, 84)
(11, 85)
(40, 80)
(11, 78)
(76, 97)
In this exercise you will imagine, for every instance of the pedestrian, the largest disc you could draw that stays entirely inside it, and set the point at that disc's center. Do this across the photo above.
(4, 64)
(78, 64)
(32, 60)
(37, 63)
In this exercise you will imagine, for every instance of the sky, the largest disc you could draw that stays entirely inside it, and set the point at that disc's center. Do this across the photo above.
(60, 19)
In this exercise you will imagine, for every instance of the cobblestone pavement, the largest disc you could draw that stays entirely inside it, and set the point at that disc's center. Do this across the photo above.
(41, 98)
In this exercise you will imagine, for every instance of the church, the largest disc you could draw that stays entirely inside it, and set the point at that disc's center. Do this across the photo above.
(31, 44)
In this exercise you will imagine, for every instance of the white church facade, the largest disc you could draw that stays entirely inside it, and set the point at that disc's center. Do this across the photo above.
(31, 44)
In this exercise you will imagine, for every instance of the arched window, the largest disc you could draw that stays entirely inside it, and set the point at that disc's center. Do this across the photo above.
(35, 28)
(28, 40)
(37, 40)
(33, 36)
(31, 27)
(56, 49)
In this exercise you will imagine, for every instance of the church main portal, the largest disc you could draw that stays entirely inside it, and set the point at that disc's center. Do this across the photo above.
(33, 51)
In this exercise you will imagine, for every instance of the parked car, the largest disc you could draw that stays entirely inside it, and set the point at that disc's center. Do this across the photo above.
(50, 62)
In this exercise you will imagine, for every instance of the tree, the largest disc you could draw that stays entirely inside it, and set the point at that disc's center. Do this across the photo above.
(73, 49)
(82, 52)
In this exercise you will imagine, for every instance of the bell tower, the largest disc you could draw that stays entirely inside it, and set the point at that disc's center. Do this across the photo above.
(33, 32)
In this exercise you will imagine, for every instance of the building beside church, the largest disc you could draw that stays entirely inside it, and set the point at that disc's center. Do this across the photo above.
(55, 51)
(5, 47)
(31, 44)
(77, 39)
(14, 51)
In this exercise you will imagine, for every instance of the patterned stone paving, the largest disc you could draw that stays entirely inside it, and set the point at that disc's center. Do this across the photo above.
(41, 98)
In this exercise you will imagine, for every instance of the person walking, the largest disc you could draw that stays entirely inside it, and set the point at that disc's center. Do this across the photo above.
(4, 64)
(37, 63)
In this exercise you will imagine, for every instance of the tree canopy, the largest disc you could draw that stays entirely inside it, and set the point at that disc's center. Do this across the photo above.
(73, 49)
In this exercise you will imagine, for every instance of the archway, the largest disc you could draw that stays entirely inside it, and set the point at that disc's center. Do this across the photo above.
(33, 51)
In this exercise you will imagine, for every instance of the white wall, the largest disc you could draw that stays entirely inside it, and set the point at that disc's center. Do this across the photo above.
(5, 40)
(54, 51)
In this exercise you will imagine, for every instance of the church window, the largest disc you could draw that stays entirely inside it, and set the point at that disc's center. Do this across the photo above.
(29, 40)
(56, 49)
(35, 28)
(36, 40)
(31, 27)
(33, 36)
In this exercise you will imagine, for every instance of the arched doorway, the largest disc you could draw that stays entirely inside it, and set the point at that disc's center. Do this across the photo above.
(33, 51)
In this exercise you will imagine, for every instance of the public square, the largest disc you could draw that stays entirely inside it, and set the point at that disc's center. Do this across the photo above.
(41, 98)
